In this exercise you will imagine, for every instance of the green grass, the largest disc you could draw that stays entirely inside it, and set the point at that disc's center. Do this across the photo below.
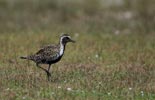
(97, 67)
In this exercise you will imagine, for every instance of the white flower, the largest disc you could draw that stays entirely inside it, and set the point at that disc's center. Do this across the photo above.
(142, 93)
(96, 55)
(24, 98)
(130, 88)
(117, 32)
(109, 93)
(69, 89)
(100, 83)
(59, 87)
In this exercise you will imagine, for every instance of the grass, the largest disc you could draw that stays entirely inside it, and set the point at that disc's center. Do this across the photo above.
(120, 16)
(97, 67)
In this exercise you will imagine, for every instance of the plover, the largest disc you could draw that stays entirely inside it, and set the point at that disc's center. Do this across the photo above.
(50, 54)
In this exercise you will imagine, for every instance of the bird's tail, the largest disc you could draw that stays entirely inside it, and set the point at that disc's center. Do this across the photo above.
(23, 57)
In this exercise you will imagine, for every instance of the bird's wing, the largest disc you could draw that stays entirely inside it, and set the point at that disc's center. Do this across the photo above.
(48, 52)
(42, 50)
(49, 48)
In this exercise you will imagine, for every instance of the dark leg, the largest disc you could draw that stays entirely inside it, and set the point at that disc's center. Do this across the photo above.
(47, 72)
(49, 67)
(41, 67)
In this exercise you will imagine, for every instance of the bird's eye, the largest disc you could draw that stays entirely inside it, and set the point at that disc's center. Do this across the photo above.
(67, 37)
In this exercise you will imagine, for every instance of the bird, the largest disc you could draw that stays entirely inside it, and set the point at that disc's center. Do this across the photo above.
(50, 54)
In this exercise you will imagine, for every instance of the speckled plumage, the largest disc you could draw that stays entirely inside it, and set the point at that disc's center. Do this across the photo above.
(47, 55)
(50, 54)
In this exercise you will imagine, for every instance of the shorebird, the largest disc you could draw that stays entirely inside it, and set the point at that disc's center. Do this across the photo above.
(50, 54)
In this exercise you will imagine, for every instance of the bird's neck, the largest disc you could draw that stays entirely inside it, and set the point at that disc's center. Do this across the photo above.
(62, 48)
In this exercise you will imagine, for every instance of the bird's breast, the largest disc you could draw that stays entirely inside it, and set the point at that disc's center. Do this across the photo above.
(54, 60)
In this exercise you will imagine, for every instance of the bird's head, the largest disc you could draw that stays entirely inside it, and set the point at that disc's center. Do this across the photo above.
(65, 38)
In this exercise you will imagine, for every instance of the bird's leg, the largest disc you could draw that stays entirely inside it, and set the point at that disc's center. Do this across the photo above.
(41, 67)
(48, 74)
(49, 67)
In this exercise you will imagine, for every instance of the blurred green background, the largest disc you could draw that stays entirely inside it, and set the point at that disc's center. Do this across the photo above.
(83, 16)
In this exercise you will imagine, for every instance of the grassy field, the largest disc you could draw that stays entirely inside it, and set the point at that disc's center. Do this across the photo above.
(97, 67)
(113, 57)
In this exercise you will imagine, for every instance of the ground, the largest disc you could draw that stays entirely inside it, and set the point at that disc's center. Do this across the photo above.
(97, 66)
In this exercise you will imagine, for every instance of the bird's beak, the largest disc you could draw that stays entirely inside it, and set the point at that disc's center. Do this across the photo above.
(72, 41)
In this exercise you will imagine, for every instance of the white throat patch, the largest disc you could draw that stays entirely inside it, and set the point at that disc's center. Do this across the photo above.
(62, 46)
(61, 49)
